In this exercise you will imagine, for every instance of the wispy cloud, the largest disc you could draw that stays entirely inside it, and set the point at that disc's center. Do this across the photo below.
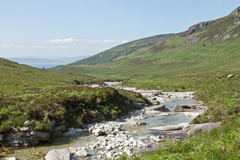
(60, 47)
(11, 46)
(37, 47)
(80, 41)
(68, 40)
(18, 46)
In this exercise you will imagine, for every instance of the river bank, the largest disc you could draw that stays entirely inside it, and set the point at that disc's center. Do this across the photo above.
(133, 128)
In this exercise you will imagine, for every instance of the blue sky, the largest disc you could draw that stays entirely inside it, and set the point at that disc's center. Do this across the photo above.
(65, 28)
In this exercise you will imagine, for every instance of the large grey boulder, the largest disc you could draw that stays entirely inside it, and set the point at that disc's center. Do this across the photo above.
(58, 154)
(156, 108)
(140, 105)
(40, 135)
(60, 128)
(203, 127)
(177, 108)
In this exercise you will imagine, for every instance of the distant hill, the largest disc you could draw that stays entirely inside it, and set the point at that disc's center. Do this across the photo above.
(124, 50)
(211, 46)
(45, 62)
(15, 77)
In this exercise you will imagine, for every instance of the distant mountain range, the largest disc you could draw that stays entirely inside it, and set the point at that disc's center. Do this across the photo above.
(45, 62)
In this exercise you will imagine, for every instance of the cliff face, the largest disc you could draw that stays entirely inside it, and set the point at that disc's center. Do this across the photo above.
(198, 27)
(202, 25)
(236, 11)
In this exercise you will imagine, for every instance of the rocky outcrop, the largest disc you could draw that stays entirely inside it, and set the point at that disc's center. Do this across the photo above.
(189, 129)
(27, 136)
(202, 127)
(236, 11)
(198, 27)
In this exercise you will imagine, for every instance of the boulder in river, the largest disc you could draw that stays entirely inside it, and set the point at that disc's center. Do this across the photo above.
(40, 135)
(58, 154)
(155, 102)
(156, 108)
(157, 93)
(177, 108)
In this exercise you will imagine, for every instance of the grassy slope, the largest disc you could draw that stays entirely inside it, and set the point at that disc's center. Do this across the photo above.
(213, 51)
(15, 77)
(37, 95)
(123, 50)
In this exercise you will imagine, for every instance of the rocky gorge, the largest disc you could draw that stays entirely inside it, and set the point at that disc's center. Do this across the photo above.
(133, 133)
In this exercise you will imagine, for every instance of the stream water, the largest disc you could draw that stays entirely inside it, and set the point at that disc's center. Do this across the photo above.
(38, 152)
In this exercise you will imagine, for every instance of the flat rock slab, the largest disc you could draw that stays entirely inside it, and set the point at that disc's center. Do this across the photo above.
(58, 154)
(158, 107)
(203, 127)
(169, 128)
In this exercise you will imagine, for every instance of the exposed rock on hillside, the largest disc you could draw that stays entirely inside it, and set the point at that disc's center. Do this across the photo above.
(198, 27)
(236, 11)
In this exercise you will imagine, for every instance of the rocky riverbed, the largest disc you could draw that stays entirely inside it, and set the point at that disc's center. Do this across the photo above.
(138, 131)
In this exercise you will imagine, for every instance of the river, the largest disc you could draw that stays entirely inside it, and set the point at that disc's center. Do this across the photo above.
(38, 152)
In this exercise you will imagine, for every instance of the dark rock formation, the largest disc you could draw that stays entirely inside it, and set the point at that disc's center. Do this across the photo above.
(198, 27)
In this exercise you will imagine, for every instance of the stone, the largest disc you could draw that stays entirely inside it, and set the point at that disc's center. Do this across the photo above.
(57, 134)
(58, 154)
(157, 108)
(203, 127)
(10, 158)
(81, 153)
(110, 154)
(139, 105)
(60, 128)
(26, 122)
(53, 122)
(230, 76)
(177, 108)
(40, 135)
(169, 128)
(164, 114)
(26, 134)
(155, 102)
(24, 129)
(98, 132)
(157, 93)
(185, 106)
(1, 138)
(157, 138)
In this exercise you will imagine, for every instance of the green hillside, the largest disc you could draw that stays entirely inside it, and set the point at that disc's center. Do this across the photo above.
(124, 50)
(211, 46)
(15, 77)
(37, 95)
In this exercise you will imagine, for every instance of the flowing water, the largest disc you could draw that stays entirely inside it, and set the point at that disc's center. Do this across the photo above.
(38, 152)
